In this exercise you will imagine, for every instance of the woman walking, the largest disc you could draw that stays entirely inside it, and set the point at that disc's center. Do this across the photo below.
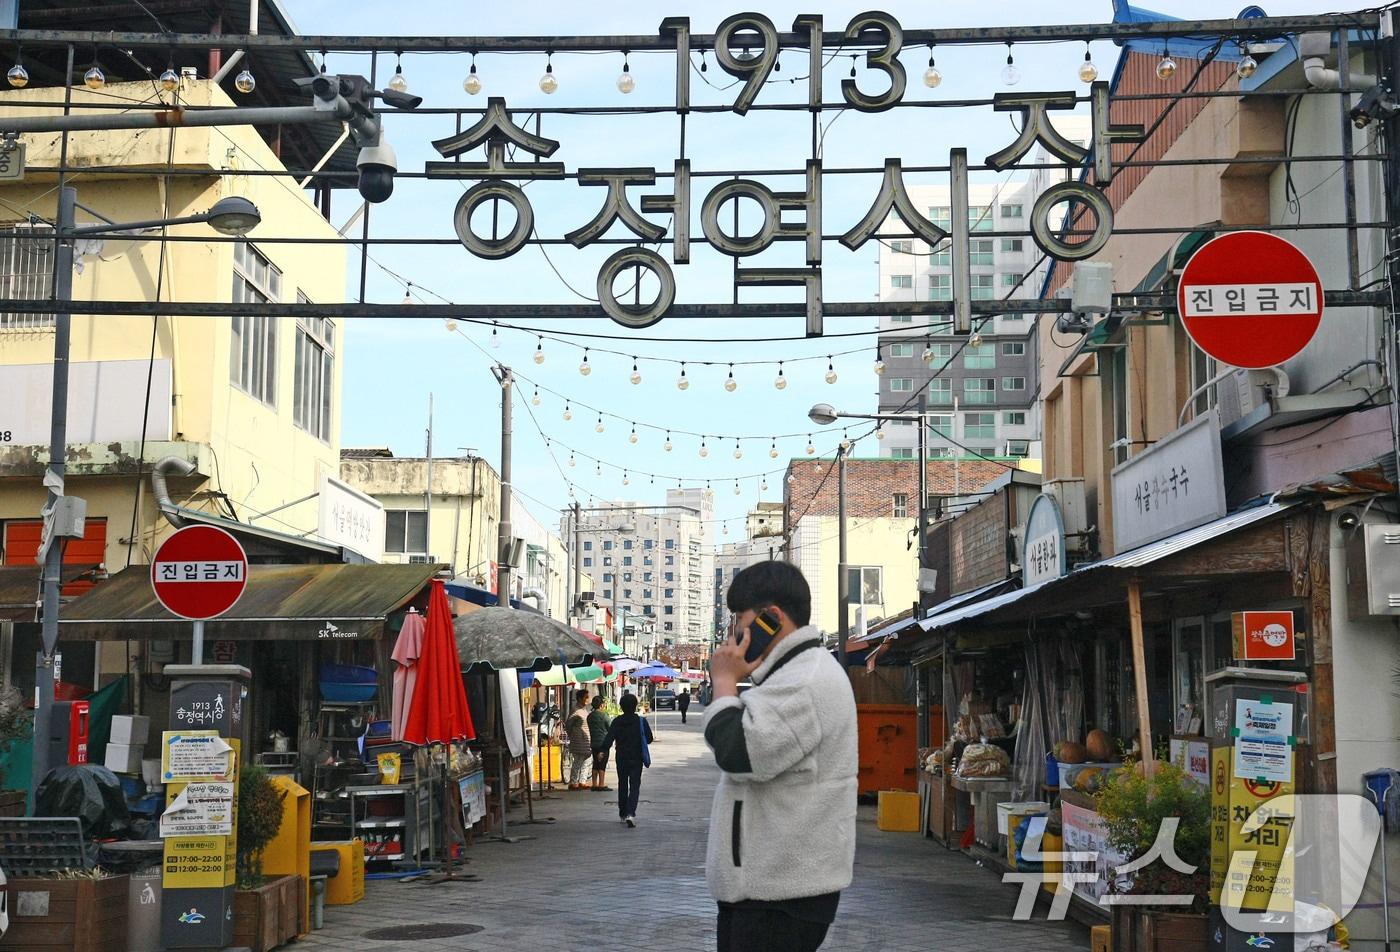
(580, 747)
(633, 737)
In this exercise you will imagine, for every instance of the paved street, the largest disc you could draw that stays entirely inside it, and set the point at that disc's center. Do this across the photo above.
(586, 882)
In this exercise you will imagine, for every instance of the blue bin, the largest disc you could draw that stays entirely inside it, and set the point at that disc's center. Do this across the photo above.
(1052, 770)
(339, 692)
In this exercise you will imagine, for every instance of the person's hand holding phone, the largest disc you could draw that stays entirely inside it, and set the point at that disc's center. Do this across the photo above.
(729, 666)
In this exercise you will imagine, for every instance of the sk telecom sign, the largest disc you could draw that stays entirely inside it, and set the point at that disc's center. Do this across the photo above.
(509, 156)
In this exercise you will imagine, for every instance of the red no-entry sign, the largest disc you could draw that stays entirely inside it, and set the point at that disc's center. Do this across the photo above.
(1250, 299)
(199, 572)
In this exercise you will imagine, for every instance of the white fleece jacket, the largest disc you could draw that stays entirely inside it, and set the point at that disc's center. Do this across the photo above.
(783, 823)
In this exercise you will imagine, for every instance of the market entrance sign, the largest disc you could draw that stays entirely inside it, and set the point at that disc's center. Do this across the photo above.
(1250, 299)
(199, 572)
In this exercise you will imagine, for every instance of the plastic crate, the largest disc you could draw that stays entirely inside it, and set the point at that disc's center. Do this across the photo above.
(897, 811)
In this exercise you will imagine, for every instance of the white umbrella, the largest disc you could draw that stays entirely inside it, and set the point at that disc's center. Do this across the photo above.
(623, 665)
(407, 648)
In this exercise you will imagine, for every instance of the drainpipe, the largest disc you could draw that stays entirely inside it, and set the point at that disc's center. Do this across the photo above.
(1313, 49)
(179, 467)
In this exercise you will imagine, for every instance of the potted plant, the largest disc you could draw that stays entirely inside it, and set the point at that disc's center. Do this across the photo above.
(1135, 810)
(267, 912)
(79, 909)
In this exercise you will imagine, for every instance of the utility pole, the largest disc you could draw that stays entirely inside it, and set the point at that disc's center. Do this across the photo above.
(923, 480)
(843, 582)
(428, 488)
(503, 529)
(578, 559)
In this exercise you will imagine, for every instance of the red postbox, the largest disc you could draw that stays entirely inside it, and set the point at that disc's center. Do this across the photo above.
(68, 733)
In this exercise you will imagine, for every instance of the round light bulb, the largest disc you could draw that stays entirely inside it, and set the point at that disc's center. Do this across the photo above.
(781, 382)
(1088, 72)
(625, 480)
(818, 467)
(245, 82)
(1246, 67)
(632, 437)
(1166, 68)
(635, 377)
(773, 453)
(928, 355)
(731, 384)
(810, 449)
(738, 453)
(704, 451)
(548, 84)
(831, 376)
(1010, 74)
(568, 414)
(667, 446)
(451, 327)
(94, 79)
(539, 353)
(975, 340)
(879, 367)
(683, 382)
(585, 368)
(932, 77)
(398, 84)
(879, 433)
(472, 84)
(625, 83)
(18, 76)
(169, 80)
(845, 446)
(598, 427)
(737, 491)
(495, 339)
(763, 486)
(792, 477)
(535, 400)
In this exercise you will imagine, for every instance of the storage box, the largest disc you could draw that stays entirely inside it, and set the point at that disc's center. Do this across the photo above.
(348, 886)
(130, 729)
(898, 811)
(150, 772)
(124, 758)
(1023, 808)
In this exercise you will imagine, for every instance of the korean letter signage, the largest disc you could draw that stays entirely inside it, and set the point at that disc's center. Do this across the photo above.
(1177, 484)
(194, 755)
(1043, 557)
(1263, 636)
(350, 518)
(1253, 819)
(204, 808)
(1263, 741)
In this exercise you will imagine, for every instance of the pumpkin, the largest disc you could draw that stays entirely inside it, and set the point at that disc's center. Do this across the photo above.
(1099, 746)
(1090, 779)
(1069, 752)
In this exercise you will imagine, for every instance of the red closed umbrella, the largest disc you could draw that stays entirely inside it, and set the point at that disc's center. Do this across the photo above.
(437, 711)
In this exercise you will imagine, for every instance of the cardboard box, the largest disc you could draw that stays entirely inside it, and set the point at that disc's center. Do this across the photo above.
(132, 729)
(124, 758)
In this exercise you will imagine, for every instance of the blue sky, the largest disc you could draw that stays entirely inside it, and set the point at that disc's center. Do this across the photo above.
(391, 367)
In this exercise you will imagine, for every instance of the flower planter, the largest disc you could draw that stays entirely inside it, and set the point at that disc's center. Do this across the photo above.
(270, 915)
(82, 915)
(1150, 930)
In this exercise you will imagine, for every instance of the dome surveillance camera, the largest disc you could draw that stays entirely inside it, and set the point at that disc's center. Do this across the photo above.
(377, 165)
(1348, 520)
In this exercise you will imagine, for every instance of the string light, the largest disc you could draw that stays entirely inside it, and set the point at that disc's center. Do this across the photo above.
(932, 77)
(451, 327)
(792, 478)
(738, 452)
(853, 66)
(1248, 65)
(725, 530)
(880, 431)
(1010, 75)
(1166, 67)
(495, 337)
(763, 485)
(245, 82)
(632, 437)
(667, 445)
(810, 448)
(879, 362)
(472, 84)
(18, 76)
(398, 84)
(568, 414)
(703, 66)
(682, 383)
(773, 450)
(169, 79)
(781, 382)
(737, 491)
(585, 368)
(1088, 72)
(407, 294)
(830, 371)
(94, 77)
(598, 470)
(548, 82)
(599, 427)
(539, 351)
(845, 442)
(625, 480)
(625, 82)
(535, 400)
(928, 353)
(572, 461)
(636, 376)
(819, 466)
(730, 384)
(704, 450)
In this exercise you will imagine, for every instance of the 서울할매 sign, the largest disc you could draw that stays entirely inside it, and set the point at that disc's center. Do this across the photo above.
(1043, 554)
(1175, 485)
(1263, 636)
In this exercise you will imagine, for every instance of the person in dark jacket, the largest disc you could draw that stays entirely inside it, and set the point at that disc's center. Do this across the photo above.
(632, 735)
(683, 702)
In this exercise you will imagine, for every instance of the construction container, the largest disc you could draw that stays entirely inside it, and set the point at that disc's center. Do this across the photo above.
(888, 740)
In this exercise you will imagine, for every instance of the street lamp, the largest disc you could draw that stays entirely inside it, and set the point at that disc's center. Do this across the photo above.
(229, 216)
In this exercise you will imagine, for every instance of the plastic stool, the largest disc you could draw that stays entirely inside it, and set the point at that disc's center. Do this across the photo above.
(325, 864)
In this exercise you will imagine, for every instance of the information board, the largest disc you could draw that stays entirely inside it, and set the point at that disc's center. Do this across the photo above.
(194, 755)
(200, 809)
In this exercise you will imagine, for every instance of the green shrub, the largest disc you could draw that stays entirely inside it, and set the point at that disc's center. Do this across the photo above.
(1134, 809)
(259, 818)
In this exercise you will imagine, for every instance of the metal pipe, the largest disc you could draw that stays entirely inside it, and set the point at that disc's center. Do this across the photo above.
(843, 583)
(181, 467)
(1223, 375)
(503, 528)
(226, 68)
(1348, 168)
(179, 117)
(327, 155)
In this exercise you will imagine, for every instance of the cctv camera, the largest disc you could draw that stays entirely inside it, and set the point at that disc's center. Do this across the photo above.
(1348, 520)
(377, 165)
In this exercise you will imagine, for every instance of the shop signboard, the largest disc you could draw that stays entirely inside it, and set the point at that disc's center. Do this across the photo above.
(351, 519)
(1251, 867)
(1176, 485)
(473, 790)
(1085, 833)
(1263, 636)
(1043, 554)
(1192, 754)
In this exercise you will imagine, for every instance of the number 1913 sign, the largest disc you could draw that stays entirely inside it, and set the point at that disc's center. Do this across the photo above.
(786, 216)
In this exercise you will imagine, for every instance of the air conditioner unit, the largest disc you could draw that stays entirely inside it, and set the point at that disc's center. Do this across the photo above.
(1245, 391)
(1018, 448)
(1069, 493)
(1373, 571)
(422, 559)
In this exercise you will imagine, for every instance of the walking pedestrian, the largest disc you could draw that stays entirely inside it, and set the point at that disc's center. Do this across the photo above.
(580, 746)
(598, 723)
(633, 737)
(783, 825)
(683, 702)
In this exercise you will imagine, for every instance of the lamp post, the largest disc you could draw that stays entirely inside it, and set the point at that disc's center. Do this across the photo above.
(229, 216)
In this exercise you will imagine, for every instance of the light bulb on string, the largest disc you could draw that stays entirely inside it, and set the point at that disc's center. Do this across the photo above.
(667, 446)
(625, 82)
(548, 82)
(818, 466)
(853, 66)
(792, 478)
(1010, 75)
(810, 448)
(451, 327)
(763, 485)
(932, 77)
(598, 470)
(738, 452)
(830, 370)
(397, 83)
(845, 442)
(407, 294)
(975, 340)
(1166, 67)
(1247, 65)
(737, 490)
(704, 450)
(632, 437)
(472, 84)
(495, 336)
(18, 76)
(1088, 72)
(539, 351)
(94, 77)
(535, 400)
(169, 79)
(598, 428)
(568, 414)
(682, 382)
(726, 525)
(572, 461)
(781, 382)
(773, 450)
(879, 362)
(585, 368)
(245, 82)
(636, 375)
(730, 384)
(625, 480)
(703, 65)
(880, 432)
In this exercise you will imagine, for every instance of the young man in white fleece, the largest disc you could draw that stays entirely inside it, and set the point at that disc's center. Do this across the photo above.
(783, 826)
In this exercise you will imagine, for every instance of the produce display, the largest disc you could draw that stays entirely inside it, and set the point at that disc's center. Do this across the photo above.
(1099, 745)
(971, 728)
(1069, 752)
(984, 760)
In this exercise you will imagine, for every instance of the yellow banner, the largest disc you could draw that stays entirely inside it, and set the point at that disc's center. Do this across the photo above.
(1251, 855)
(203, 861)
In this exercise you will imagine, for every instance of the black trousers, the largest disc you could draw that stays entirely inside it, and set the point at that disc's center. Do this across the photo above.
(767, 930)
(683, 710)
(629, 787)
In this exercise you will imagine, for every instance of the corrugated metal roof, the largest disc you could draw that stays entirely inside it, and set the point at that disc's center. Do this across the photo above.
(19, 589)
(905, 619)
(281, 602)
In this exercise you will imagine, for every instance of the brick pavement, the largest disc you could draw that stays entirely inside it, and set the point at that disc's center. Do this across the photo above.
(585, 882)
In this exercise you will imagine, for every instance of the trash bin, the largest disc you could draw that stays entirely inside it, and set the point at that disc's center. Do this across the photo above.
(141, 860)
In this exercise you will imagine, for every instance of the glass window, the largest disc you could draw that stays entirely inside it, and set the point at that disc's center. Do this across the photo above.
(670, 576)
(627, 560)
(901, 280)
(670, 593)
(607, 545)
(26, 272)
(1011, 211)
(607, 593)
(979, 426)
(940, 452)
(979, 390)
(406, 531)
(942, 216)
(253, 341)
(943, 255)
(940, 392)
(607, 560)
(588, 545)
(587, 562)
(668, 610)
(941, 424)
(902, 246)
(670, 559)
(646, 576)
(1012, 245)
(1013, 383)
(647, 543)
(981, 252)
(981, 288)
(940, 287)
(607, 576)
(1014, 418)
(902, 452)
(627, 543)
(627, 576)
(900, 505)
(670, 544)
(901, 385)
(979, 217)
(1013, 317)
(979, 356)
(313, 374)
(1010, 280)
(941, 354)
(1013, 349)
(901, 318)
(901, 350)
(863, 584)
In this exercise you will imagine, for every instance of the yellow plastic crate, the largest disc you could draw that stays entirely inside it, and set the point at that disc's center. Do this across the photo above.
(548, 761)
(898, 811)
(348, 886)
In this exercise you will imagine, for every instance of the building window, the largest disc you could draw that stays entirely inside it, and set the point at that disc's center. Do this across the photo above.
(647, 543)
(1011, 245)
(646, 593)
(406, 530)
(670, 560)
(941, 216)
(1014, 418)
(253, 344)
(313, 372)
(940, 355)
(901, 318)
(670, 544)
(979, 217)
(863, 584)
(940, 452)
(941, 424)
(1011, 211)
(646, 576)
(901, 280)
(1013, 348)
(670, 576)
(26, 272)
(902, 247)
(587, 562)
(1011, 280)
(979, 356)
(940, 392)
(1013, 383)
(979, 390)
(980, 426)
(607, 560)
(901, 385)
(627, 560)
(902, 452)
(668, 610)
(986, 452)
(607, 593)
(588, 545)
(981, 252)
(607, 576)
(943, 255)
(627, 576)
(626, 593)
(940, 287)
(607, 545)
(901, 350)
(981, 288)
(670, 593)
(1013, 317)
(900, 505)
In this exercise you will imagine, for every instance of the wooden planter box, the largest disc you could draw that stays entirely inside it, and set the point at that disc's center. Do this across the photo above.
(12, 802)
(82, 915)
(1143, 930)
(270, 915)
